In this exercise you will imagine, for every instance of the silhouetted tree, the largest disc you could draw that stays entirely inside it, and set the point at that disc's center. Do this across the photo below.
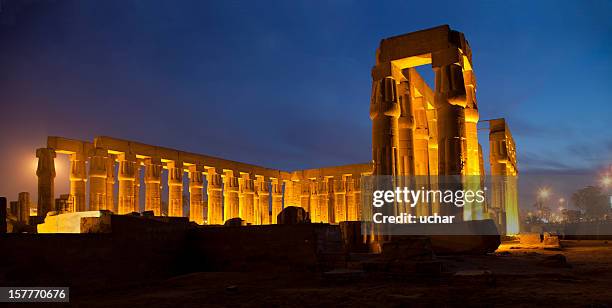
(592, 201)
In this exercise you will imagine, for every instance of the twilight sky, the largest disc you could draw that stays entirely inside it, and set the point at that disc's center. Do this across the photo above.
(286, 84)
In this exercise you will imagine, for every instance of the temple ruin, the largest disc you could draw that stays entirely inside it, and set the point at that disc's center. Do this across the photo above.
(416, 131)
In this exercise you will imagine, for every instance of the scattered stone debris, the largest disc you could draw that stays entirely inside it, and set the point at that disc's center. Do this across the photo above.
(292, 215)
(551, 241)
(530, 239)
(235, 222)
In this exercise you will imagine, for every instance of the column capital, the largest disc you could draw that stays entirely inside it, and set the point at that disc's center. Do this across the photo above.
(126, 157)
(175, 173)
(230, 183)
(98, 163)
(215, 181)
(46, 164)
(196, 176)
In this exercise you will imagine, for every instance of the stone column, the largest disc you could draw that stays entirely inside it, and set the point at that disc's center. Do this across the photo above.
(305, 194)
(152, 179)
(340, 210)
(110, 185)
(292, 194)
(46, 176)
(263, 196)
(175, 189)
(471, 121)
(247, 199)
(231, 196)
(215, 197)
(78, 174)
(323, 200)
(314, 201)
(421, 151)
(406, 126)
(196, 186)
(432, 150)
(352, 201)
(3, 215)
(97, 179)
(384, 113)
(137, 179)
(277, 199)
(450, 101)
(126, 176)
(24, 207)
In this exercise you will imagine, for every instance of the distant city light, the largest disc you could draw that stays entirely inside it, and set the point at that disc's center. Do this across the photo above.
(606, 180)
(543, 193)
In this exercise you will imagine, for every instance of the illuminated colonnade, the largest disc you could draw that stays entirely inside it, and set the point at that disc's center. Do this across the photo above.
(416, 131)
(218, 189)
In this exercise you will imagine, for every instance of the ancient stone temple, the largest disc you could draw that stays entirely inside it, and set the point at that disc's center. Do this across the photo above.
(218, 189)
(416, 131)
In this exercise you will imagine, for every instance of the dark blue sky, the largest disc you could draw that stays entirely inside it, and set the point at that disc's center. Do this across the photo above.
(287, 84)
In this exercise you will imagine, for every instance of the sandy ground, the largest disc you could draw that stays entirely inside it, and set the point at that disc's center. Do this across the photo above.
(510, 277)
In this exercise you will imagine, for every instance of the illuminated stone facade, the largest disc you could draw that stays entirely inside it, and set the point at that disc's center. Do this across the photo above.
(415, 131)
(218, 189)
(502, 156)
